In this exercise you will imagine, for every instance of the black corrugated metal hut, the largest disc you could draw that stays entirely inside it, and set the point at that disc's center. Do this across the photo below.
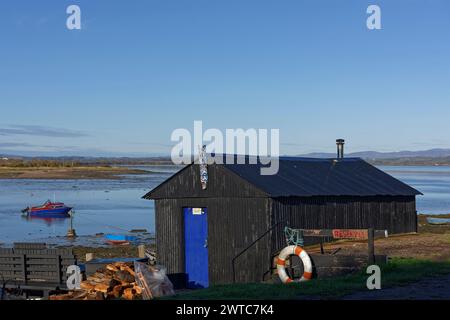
(199, 232)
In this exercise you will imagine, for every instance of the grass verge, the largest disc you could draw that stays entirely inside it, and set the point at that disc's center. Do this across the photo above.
(396, 272)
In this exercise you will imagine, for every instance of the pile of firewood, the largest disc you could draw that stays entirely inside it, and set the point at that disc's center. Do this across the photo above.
(115, 281)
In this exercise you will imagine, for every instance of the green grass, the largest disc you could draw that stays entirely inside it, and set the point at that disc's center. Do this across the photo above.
(396, 272)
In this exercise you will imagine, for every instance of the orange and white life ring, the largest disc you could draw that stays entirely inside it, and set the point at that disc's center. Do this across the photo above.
(281, 264)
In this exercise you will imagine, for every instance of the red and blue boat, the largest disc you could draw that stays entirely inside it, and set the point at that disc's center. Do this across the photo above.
(120, 239)
(49, 210)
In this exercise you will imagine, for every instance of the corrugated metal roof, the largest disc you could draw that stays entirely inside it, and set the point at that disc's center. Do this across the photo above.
(306, 177)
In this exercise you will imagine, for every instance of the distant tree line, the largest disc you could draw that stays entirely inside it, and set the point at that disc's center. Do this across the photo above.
(411, 161)
(20, 163)
(68, 162)
(130, 161)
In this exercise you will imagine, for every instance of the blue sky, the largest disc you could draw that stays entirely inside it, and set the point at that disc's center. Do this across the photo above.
(140, 69)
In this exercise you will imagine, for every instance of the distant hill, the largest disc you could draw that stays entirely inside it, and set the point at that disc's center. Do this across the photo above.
(375, 155)
(412, 161)
(425, 157)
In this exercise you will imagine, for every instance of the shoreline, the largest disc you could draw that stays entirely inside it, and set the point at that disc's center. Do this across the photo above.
(110, 252)
(148, 237)
(67, 173)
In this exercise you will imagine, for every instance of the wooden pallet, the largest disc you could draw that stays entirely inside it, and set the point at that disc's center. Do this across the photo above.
(34, 267)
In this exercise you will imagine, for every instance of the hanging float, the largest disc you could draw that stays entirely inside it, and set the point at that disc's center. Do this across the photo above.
(281, 264)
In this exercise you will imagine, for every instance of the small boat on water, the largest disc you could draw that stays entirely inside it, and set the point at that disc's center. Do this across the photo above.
(49, 210)
(120, 239)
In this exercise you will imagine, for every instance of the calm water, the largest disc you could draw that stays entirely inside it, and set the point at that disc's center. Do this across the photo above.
(432, 181)
(106, 206)
(101, 206)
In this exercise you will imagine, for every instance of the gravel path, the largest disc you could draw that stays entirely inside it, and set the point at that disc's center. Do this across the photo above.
(427, 289)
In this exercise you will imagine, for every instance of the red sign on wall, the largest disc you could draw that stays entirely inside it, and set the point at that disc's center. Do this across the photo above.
(350, 234)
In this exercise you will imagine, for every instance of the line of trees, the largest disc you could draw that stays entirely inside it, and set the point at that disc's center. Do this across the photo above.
(19, 163)
(412, 161)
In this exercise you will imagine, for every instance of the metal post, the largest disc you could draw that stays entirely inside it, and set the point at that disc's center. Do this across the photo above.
(71, 232)
(59, 273)
(141, 251)
(371, 245)
(24, 268)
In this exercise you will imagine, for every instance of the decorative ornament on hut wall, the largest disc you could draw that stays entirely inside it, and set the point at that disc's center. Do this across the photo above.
(203, 167)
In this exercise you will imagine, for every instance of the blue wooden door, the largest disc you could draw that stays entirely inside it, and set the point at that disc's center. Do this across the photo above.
(196, 247)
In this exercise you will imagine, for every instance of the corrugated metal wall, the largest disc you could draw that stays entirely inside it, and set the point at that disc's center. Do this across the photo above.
(169, 236)
(233, 224)
(396, 214)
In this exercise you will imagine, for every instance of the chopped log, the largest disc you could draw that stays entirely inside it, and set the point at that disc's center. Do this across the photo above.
(91, 296)
(79, 295)
(138, 289)
(129, 264)
(67, 296)
(100, 275)
(87, 285)
(114, 281)
(129, 270)
(129, 294)
(93, 279)
(101, 287)
(108, 273)
(123, 276)
(117, 291)
(110, 282)
(99, 296)
(126, 285)
(112, 267)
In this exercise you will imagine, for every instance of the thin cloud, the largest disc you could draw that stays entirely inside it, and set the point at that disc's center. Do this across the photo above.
(36, 147)
(33, 130)
(157, 144)
(293, 144)
(14, 144)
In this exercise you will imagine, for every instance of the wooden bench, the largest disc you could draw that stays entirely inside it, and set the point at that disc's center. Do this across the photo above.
(33, 267)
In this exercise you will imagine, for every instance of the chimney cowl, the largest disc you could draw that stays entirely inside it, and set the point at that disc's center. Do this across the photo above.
(340, 148)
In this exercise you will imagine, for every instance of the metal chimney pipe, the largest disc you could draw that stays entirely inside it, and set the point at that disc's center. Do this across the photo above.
(340, 148)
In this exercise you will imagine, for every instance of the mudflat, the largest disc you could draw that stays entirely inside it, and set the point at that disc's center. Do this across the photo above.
(79, 172)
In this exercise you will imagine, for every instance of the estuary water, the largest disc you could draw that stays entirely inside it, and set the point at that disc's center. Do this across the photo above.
(432, 181)
(100, 206)
(116, 206)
